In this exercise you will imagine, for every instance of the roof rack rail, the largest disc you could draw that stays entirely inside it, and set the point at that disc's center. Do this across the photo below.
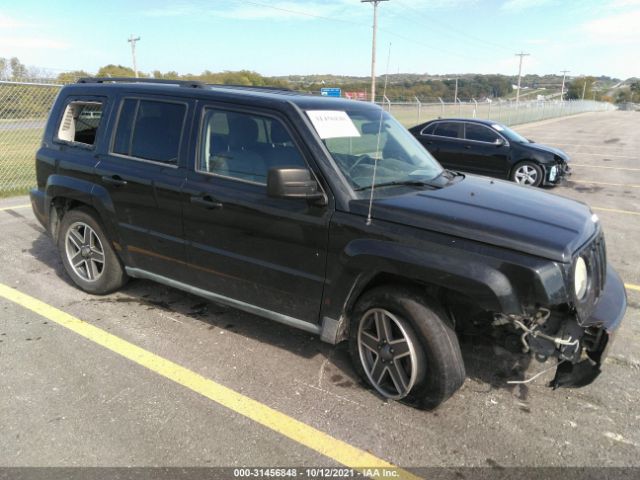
(250, 87)
(162, 81)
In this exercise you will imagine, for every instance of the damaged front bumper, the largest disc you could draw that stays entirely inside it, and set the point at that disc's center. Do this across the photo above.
(599, 331)
(580, 347)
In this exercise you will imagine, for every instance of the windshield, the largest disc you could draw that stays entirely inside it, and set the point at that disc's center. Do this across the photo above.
(355, 147)
(510, 134)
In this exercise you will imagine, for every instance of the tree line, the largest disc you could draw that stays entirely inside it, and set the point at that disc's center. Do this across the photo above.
(400, 87)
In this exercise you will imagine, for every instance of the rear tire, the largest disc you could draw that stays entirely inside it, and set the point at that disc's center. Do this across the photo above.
(87, 254)
(401, 345)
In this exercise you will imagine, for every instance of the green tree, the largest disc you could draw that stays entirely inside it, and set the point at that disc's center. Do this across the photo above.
(635, 91)
(18, 70)
(3, 68)
(622, 96)
(117, 71)
(72, 76)
(577, 86)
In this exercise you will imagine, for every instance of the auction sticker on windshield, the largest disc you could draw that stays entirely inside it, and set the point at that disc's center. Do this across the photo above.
(332, 124)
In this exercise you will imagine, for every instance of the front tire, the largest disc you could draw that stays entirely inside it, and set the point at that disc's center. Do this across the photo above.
(87, 254)
(401, 345)
(527, 173)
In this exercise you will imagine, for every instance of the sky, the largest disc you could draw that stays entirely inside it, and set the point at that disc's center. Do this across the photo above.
(282, 37)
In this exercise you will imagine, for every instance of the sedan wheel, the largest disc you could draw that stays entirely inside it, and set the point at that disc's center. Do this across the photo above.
(527, 173)
(387, 354)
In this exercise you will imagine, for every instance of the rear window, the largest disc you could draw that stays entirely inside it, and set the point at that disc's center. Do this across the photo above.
(150, 130)
(449, 129)
(80, 122)
(428, 130)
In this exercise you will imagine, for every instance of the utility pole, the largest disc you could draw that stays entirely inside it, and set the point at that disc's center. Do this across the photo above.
(584, 88)
(455, 95)
(132, 40)
(373, 45)
(564, 75)
(521, 55)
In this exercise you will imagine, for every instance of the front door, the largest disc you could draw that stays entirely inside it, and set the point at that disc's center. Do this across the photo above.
(242, 244)
(483, 154)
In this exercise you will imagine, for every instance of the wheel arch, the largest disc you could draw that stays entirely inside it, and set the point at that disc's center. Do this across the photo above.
(63, 193)
(437, 276)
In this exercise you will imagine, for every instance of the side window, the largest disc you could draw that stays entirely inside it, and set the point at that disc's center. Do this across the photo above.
(449, 129)
(479, 133)
(245, 146)
(150, 130)
(80, 122)
(428, 130)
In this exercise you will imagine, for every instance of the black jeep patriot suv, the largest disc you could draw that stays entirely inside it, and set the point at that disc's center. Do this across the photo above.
(326, 215)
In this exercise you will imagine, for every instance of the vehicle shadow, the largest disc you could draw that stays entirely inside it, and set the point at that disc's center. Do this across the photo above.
(485, 361)
(494, 365)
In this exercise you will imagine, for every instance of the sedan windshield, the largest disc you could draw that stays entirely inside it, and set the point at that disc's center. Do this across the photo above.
(365, 136)
(510, 134)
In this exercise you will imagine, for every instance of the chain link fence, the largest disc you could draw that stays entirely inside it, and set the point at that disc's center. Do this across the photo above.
(23, 111)
(505, 112)
(24, 108)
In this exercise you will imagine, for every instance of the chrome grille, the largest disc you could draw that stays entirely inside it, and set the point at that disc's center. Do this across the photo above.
(596, 255)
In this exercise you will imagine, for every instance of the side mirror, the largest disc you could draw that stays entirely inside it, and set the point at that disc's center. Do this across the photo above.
(286, 182)
(499, 142)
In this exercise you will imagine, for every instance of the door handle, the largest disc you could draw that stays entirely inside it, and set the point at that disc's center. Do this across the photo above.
(206, 201)
(468, 147)
(114, 180)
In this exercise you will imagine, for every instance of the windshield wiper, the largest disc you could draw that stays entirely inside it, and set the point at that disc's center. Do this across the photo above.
(411, 183)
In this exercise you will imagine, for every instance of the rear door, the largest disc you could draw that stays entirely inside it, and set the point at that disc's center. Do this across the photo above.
(241, 243)
(483, 154)
(143, 173)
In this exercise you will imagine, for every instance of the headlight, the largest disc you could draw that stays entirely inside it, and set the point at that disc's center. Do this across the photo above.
(580, 278)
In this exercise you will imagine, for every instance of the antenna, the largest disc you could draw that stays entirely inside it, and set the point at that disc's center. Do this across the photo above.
(375, 160)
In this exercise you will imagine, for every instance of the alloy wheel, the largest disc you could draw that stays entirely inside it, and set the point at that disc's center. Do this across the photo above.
(84, 251)
(526, 175)
(387, 353)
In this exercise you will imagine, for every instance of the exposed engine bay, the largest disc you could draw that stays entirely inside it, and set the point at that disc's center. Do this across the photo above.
(547, 334)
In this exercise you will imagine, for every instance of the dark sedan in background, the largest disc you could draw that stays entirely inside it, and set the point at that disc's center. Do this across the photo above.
(488, 148)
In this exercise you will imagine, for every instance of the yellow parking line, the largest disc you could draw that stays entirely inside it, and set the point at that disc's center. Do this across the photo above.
(296, 430)
(631, 286)
(627, 212)
(605, 183)
(602, 166)
(26, 205)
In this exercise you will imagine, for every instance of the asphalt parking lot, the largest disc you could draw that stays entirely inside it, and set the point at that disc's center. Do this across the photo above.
(66, 400)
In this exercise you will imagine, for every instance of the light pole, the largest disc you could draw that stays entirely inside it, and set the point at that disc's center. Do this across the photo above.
(521, 55)
(132, 40)
(373, 45)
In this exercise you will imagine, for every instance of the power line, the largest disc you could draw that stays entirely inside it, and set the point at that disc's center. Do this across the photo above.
(351, 22)
(449, 28)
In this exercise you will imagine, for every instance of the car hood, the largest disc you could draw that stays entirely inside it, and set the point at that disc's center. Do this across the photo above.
(493, 212)
(546, 149)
